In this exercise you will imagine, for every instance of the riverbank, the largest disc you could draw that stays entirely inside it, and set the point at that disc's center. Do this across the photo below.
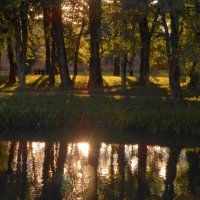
(155, 115)
(140, 108)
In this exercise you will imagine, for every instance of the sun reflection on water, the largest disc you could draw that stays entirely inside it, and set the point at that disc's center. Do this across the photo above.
(84, 148)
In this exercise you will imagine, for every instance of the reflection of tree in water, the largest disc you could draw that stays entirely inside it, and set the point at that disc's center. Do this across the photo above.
(193, 157)
(21, 173)
(171, 171)
(106, 172)
(142, 173)
(47, 167)
(93, 159)
(7, 180)
(156, 170)
(57, 178)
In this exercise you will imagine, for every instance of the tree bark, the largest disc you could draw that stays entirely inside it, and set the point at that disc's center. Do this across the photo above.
(95, 76)
(13, 67)
(60, 44)
(21, 31)
(174, 68)
(47, 22)
(123, 72)
(172, 49)
(77, 48)
(116, 62)
(194, 74)
(145, 50)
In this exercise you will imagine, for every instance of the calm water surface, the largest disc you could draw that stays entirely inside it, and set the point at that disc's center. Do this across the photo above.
(97, 170)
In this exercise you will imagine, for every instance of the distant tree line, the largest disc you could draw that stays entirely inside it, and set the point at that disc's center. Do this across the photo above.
(164, 32)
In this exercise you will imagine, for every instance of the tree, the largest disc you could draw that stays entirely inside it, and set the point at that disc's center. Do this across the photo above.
(49, 41)
(195, 71)
(60, 44)
(172, 45)
(13, 67)
(20, 22)
(95, 76)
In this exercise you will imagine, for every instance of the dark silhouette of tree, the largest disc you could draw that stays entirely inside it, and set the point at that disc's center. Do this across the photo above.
(59, 41)
(57, 179)
(95, 76)
(122, 163)
(48, 159)
(172, 45)
(171, 173)
(93, 159)
(21, 173)
(142, 167)
(194, 169)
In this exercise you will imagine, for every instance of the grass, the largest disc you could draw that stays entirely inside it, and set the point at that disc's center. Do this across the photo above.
(140, 108)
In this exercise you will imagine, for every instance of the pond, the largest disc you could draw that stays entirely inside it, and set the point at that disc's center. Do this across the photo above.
(94, 168)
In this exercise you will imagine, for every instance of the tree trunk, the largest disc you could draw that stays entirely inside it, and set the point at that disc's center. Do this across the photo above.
(194, 74)
(77, 48)
(48, 43)
(145, 50)
(21, 31)
(95, 76)
(13, 67)
(116, 62)
(174, 68)
(59, 39)
(172, 49)
(123, 72)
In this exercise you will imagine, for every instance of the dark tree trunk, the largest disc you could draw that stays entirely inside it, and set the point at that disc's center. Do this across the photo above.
(145, 50)
(48, 43)
(172, 49)
(123, 72)
(194, 74)
(95, 76)
(54, 57)
(21, 31)
(174, 68)
(13, 67)
(60, 44)
(77, 48)
(116, 63)
(130, 66)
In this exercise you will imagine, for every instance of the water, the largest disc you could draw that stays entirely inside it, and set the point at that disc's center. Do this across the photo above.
(94, 169)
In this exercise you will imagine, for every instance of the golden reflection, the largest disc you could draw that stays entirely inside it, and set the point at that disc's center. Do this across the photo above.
(84, 148)
(105, 160)
(132, 157)
(162, 172)
(38, 146)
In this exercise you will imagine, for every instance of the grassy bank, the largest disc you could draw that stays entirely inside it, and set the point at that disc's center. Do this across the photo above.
(155, 115)
(148, 109)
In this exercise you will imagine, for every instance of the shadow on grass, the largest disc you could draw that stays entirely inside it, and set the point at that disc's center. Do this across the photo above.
(39, 83)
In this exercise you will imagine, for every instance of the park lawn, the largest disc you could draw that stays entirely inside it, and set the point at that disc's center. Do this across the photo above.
(143, 108)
